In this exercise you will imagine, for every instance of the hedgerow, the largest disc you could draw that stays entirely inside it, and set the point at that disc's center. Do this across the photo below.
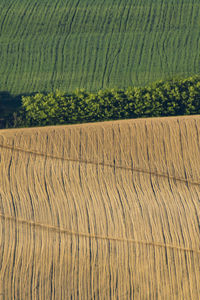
(162, 98)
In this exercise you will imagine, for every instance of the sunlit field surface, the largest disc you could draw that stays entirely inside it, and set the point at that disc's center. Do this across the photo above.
(55, 44)
(101, 211)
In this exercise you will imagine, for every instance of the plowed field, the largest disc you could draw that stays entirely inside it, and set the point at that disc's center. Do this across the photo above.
(101, 211)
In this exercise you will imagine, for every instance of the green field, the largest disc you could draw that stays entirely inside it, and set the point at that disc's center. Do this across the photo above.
(93, 44)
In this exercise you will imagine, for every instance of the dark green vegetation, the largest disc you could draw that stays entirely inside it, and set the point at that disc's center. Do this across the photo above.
(163, 98)
(96, 44)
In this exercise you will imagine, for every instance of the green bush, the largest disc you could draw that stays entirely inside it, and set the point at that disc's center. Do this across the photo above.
(163, 98)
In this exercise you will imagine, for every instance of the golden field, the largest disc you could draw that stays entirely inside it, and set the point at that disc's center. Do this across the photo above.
(101, 211)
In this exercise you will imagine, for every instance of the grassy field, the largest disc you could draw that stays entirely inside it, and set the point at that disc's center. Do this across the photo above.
(95, 44)
(101, 211)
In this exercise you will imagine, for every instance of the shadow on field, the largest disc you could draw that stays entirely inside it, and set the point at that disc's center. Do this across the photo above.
(8, 105)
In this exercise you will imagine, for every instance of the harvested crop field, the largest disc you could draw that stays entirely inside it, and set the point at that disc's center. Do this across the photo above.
(55, 44)
(101, 211)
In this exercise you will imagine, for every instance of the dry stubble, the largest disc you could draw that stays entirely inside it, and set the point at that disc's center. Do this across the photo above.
(101, 211)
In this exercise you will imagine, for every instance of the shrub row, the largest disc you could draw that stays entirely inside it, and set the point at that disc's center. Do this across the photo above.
(163, 98)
